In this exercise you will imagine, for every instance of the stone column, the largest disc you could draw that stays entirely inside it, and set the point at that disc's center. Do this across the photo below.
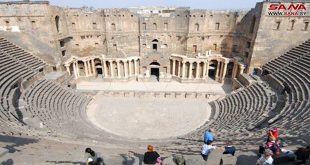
(85, 69)
(94, 67)
(89, 68)
(207, 70)
(179, 69)
(204, 71)
(118, 69)
(217, 69)
(241, 66)
(190, 70)
(104, 68)
(224, 71)
(173, 67)
(126, 69)
(74, 70)
(130, 68)
(197, 76)
(183, 69)
(68, 69)
(78, 69)
(136, 68)
(111, 68)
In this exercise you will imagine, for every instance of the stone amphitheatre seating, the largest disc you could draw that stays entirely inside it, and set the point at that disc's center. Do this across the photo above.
(288, 58)
(14, 69)
(20, 55)
(239, 112)
(295, 75)
(58, 108)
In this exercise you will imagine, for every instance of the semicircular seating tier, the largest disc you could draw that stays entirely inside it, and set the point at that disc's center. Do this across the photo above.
(16, 66)
(293, 81)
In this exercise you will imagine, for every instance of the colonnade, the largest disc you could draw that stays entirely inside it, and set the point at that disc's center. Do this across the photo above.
(120, 68)
(88, 66)
(110, 68)
(198, 68)
(181, 67)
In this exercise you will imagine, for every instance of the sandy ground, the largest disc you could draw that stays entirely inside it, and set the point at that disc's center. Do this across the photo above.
(148, 118)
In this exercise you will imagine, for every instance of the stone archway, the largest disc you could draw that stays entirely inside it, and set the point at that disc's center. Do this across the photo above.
(155, 70)
(230, 68)
(98, 67)
(212, 69)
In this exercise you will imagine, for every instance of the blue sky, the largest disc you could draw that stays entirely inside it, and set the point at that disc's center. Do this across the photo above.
(201, 4)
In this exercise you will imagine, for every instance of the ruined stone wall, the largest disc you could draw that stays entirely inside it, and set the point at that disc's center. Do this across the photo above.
(122, 32)
(155, 33)
(86, 30)
(273, 40)
(32, 18)
(246, 29)
(211, 30)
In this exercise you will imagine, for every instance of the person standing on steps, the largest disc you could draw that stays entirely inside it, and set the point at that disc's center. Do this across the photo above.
(208, 135)
(151, 157)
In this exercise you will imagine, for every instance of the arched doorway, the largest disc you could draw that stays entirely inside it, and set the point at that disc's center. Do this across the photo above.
(99, 70)
(230, 68)
(212, 69)
(98, 66)
(154, 66)
(155, 45)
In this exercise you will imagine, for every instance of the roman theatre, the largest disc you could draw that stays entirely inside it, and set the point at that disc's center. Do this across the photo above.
(117, 79)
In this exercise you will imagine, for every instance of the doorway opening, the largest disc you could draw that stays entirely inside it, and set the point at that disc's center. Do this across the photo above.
(154, 66)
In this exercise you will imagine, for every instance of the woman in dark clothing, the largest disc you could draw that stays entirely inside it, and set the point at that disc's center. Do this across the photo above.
(151, 157)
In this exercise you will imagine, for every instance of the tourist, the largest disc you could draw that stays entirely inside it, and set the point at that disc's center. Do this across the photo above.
(271, 144)
(266, 158)
(206, 148)
(151, 157)
(208, 135)
(92, 157)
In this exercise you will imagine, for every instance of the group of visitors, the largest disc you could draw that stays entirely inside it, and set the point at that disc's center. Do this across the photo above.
(272, 142)
(271, 148)
(208, 139)
(151, 157)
